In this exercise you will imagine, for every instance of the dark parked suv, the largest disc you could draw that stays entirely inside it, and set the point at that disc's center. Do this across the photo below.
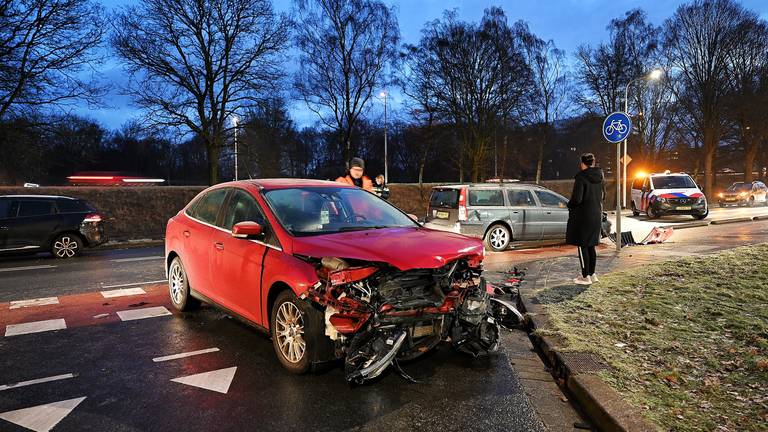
(61, 225)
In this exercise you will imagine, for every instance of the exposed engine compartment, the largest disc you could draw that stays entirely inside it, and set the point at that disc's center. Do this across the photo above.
(377, 314)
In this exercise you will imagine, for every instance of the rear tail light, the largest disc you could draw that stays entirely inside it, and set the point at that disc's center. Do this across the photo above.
(92, 217)
(463, 204)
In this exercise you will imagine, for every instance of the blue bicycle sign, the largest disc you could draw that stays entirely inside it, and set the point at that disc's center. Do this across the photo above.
(616, 127)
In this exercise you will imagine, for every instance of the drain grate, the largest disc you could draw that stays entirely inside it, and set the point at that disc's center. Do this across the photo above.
(584, 362)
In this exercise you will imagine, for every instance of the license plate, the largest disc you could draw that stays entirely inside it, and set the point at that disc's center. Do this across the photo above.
(683, 208)
(442, 215)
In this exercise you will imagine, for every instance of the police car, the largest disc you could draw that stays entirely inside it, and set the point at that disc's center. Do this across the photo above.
(668, 193)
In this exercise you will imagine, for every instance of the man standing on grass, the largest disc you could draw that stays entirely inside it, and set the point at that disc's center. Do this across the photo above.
(585, 216)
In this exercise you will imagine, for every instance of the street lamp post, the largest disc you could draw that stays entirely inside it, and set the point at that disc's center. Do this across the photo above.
(384, 95)
(654, 75)
(234, 124)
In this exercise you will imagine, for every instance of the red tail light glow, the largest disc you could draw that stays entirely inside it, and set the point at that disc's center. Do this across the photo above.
(92, 217)
(463, 204)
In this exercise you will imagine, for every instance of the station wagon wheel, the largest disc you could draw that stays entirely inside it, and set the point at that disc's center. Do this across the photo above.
(178, 287)
(66, 246)
(498, 238)
(291, 332)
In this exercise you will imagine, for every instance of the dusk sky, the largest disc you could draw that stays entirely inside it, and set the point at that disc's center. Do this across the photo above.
(569, 23)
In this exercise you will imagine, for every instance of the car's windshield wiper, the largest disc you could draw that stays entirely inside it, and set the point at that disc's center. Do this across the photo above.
(362, 228)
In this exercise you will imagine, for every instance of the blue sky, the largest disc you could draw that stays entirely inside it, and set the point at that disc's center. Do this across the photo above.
(569, 23)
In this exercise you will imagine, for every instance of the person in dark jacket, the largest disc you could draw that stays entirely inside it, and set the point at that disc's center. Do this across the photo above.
(380, 187)
(585, 216)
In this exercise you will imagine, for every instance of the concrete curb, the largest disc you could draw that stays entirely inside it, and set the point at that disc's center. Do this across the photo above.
(761, 217)
(688, 225)
(604, 407)
(733, 220)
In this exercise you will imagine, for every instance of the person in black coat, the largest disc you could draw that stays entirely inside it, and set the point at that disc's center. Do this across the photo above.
(585, 214)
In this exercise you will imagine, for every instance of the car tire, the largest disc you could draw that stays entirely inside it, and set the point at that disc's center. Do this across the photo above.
(292, 333)
(701, 216)
(66, 246)
(178, 287)
(651, 213)
(498, 238)
(635, 212)
(751, 202)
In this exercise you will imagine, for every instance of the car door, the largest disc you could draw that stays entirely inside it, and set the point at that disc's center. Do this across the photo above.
(524, 214)
(636, 195)
(197, 230)
(554, 214)
(34, 224)
(5, 215)
(236, 264)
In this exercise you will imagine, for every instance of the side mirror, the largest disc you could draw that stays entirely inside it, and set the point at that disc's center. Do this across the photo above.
(414, 217)
(247, 229)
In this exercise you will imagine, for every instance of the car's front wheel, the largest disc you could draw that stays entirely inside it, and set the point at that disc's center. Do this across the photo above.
(66, 246)
(291, 331)
(178, 287)
(498, 238)
(651, 213)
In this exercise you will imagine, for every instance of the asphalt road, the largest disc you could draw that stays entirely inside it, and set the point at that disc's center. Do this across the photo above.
(85, 364)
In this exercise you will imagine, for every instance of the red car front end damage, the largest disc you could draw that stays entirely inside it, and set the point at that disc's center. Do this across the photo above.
(332, 272)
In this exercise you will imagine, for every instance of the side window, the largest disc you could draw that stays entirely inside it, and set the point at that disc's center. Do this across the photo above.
(520, 198)
(486, 197)
(207, 208)
(242, 207)
(5, 208)
(647, 184)
(637, 184)
(35, 208)
(549, 199)
(70, 206)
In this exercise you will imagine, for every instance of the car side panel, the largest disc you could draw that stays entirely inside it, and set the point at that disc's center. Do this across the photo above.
(281, 269)
(196, 241)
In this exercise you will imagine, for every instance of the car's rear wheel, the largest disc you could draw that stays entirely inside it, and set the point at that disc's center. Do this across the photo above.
(66, 246)
(292, 333)
(178, 287)
(635, 212)
(751, 202)
(498, 238)
(651, 213)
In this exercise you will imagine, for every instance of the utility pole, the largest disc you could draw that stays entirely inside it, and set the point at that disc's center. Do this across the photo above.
(234, 123)
(386, 170)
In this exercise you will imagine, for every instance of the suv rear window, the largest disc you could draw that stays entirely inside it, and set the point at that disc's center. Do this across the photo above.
(486, 197)
(35, 208)
(444, 198)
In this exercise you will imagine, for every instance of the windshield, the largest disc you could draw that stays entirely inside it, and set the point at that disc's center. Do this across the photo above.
(673, 182)
(327, 210)
(740, 187)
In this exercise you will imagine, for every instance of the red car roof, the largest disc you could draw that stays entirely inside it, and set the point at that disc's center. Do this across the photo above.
(283, 183)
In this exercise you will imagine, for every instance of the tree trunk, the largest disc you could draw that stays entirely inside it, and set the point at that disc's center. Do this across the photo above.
(213, 152)
(709, 174)
(539, 163)
(749, 160)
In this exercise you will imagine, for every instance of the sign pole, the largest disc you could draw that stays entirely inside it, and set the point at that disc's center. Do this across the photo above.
(618, 196)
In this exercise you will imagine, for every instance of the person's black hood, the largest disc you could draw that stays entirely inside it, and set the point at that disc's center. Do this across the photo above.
(592, 174)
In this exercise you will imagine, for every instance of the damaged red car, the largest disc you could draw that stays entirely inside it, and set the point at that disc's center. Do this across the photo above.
(331, 272)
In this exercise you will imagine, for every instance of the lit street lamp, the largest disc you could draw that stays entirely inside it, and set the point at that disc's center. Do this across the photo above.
(654, 75)
(384, 95)
(234, 124)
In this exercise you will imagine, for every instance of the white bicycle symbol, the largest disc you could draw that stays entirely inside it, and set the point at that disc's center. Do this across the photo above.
(616, 126)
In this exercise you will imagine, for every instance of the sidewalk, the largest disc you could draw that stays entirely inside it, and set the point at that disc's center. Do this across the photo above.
(577, 371)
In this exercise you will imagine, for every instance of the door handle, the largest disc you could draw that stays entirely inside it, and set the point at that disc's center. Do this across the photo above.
(549, 212)
(515, 212)
(219, 246)
(186, 234)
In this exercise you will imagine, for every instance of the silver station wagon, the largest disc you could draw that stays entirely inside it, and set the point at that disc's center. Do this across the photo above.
(501, 214)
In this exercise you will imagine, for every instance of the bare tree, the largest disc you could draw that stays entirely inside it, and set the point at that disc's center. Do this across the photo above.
(194, 63)
(46, 46)
(481, 75)
(345, 48)
(698, 40)
(550, 91)
(747, 100)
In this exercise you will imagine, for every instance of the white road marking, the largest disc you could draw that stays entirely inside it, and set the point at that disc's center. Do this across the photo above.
(147, 258)
(134, 284)
(42, 418)
(37, 267)
(16, 304)
(137, 314)
(36, 381)
(122, 292)
(185, 354)
(217, 380)
(35, 327)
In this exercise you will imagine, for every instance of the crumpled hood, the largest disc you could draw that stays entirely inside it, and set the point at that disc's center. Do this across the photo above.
(593, 174)
(403, 248)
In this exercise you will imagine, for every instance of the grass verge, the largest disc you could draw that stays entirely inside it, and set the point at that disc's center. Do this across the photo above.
(687, 339)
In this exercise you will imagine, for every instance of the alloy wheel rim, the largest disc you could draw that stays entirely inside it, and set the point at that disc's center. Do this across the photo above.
(289, 330)
(498, 238)
(65, 247)
(176, 283)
